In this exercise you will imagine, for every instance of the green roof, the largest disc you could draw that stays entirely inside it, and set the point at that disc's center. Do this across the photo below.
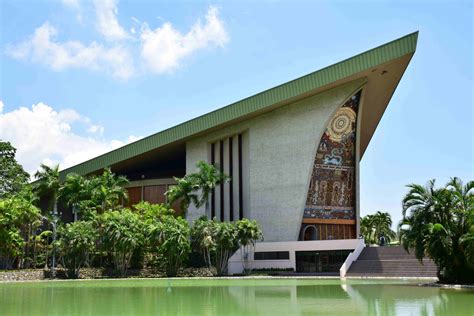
(292, 89)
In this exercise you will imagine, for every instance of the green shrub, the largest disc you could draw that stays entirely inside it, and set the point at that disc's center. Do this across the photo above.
(217, 241)
(19, 220)
(77, 240)
(123, 232)
(174, 245)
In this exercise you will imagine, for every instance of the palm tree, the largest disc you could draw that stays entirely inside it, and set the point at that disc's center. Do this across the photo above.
(203, 181)
(73, 191)
(383, 226)
(108, 189)
(207, 179)
(367, 229)
(437, 222)
(184, 192)
(48, 185)
(372, 227)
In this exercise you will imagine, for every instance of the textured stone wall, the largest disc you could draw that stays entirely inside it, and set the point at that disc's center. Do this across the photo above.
(281, 149)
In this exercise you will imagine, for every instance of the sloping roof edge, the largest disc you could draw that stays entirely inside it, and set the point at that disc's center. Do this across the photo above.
(320, 78)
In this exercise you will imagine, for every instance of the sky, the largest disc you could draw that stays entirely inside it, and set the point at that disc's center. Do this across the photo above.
(79, 78)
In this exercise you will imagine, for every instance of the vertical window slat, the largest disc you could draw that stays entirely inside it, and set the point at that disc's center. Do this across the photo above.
(213, 194)
(231, 184)
(221, 166)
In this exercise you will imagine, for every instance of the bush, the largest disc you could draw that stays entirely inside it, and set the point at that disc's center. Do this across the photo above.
(77, 240)
(19, 219)
(248, 232)
(217, 241)
(174, 243)
(123, 232)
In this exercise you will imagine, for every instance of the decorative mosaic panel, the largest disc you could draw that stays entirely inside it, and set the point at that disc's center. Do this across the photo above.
(331, 193)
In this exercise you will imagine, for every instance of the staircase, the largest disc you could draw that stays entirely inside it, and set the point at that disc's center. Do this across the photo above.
(390, 262)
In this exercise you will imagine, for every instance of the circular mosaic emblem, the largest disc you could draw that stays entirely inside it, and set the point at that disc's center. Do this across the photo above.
(341, 124)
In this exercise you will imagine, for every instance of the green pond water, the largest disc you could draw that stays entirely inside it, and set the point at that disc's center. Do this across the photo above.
(232, 297)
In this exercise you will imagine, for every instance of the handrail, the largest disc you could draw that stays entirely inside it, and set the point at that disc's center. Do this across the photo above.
(351, 258)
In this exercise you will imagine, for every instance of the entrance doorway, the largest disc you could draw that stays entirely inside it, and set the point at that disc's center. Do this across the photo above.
(326, 261)
(310, 232)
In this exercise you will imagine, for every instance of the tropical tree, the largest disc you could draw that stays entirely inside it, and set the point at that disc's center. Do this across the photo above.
(227, 242)
(437, 222)
(47, 185)
(248, 233)
(184, 191)
(19, 221)
(12, 175)
(202, 238)
(374, 226)
(76, 241)
(196, 187)
(152, 213)
(122, 232)
(206, 179)
(217, 241)
(73, 191)
(174, 243)
(108, 189)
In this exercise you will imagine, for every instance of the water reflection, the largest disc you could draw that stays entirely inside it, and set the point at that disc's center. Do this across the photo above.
(234, 297)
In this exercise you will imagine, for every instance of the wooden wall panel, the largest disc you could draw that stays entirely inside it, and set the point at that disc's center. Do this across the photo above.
(134, 195)
(154, 194)
(335, 231)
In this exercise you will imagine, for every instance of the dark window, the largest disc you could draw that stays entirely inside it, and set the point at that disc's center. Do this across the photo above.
(272, 255)
(320, 261)
(213, 195)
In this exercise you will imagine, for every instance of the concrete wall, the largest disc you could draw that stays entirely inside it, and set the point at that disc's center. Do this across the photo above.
(281, 149)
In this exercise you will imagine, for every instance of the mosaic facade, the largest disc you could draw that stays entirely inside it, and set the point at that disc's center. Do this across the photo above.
(331, 193)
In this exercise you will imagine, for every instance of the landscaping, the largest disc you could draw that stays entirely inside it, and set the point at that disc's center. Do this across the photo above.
(108, 238)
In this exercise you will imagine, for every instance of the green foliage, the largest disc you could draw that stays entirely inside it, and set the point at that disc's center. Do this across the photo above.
(152, 212)
(184, 191)
(206, 179)
(227, 242)
(47, 186)
(107, 190)
(196, 187)
(122, 232)
(248, 232)
(76, 241)
(19, 220)
(12, 175)
(174, 243)
(218, 241)
(74, 190)
(372, 227)
(152, 215)
(167, 236)
(438, 222)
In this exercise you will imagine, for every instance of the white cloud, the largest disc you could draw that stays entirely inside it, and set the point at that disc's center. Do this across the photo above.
(107, 22)
(164, 48)
(71, 3)
(43, 48)
(158, 50)
(96, 129)
(44, 135)
(1, 106)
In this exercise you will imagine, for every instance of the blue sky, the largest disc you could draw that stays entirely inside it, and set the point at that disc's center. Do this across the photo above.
(81, 77)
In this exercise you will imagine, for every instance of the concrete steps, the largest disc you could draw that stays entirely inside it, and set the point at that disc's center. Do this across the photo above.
(390, 262)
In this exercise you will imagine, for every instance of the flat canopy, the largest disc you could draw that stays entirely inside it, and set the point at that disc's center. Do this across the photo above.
(381, 68)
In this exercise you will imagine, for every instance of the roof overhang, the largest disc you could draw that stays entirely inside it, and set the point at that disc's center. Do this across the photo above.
(381, 67)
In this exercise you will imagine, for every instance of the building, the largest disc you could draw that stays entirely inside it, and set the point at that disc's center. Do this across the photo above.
(292, 152)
